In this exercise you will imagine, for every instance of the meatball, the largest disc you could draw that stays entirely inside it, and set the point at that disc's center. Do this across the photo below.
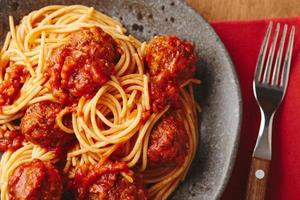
(39, 126)
(104, 182)
(169, 56)
(81, 66)
(170, 62)
(14, 79)
(36, 180)
(10, 140)
(168, 142)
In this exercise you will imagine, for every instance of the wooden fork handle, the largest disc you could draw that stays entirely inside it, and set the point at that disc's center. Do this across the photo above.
(258, 178)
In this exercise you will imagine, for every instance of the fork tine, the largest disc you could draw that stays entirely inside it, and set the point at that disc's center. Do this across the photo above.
(262, 54)
(269, 64)
(279, 58)
(287, 60)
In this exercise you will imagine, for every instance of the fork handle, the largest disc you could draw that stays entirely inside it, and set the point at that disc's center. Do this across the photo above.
(258, 178)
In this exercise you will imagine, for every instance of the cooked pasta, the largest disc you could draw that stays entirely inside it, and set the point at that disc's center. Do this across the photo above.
(77, 91)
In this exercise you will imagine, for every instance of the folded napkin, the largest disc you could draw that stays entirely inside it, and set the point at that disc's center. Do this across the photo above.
(243, 40)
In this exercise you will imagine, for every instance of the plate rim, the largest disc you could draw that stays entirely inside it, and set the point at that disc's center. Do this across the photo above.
(236, 142)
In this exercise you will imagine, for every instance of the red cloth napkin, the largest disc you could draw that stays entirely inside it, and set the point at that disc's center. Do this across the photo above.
(243, 40)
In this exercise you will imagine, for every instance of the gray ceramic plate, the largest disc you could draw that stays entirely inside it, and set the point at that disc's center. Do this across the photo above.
(219, 95)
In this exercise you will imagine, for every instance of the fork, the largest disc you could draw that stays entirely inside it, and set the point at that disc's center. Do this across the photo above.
(269, 86)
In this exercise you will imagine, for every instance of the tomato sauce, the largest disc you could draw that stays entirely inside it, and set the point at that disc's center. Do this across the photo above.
(10, 140)
(106, 183)
(14, 79)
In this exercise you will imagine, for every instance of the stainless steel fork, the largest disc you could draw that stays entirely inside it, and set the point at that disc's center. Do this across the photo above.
(269, 85)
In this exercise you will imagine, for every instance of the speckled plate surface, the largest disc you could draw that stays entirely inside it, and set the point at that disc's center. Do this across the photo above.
(219, 95)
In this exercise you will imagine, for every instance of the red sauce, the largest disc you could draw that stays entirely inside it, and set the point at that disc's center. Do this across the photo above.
(84, 64)
(122, 150)
(10, 140)
(170, 62)
(163, 93)
(125, 148)
(168, 142)
(35, 180)
(9, 88)
(145, 116)
(104, 182)
(39, 126)
(69, 189)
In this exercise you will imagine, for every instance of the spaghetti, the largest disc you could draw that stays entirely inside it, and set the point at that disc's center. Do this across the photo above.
(89, 96)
